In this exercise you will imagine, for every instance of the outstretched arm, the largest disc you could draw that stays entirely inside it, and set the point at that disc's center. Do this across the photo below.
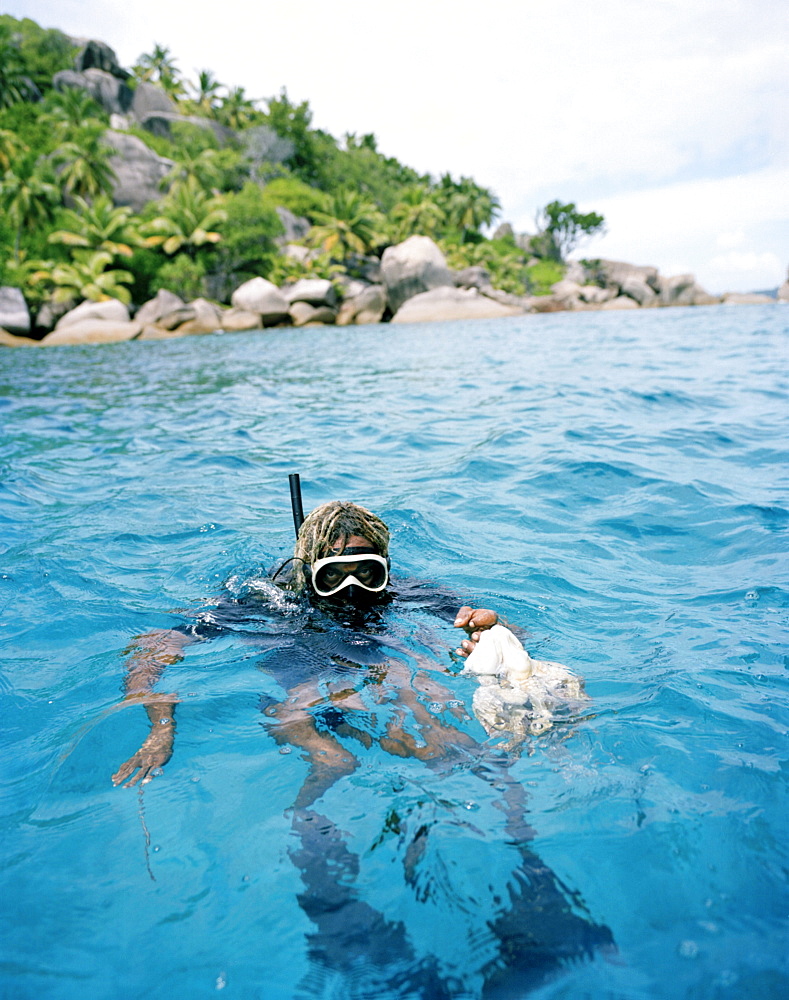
(150, 654)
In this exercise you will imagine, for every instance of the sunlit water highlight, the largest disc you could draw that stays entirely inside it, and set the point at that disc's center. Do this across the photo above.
(613, 483)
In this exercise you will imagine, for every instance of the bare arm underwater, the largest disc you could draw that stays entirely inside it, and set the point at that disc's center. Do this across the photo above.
(150, 654)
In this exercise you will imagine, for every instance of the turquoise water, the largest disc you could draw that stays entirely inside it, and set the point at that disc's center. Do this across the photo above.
(615, 484)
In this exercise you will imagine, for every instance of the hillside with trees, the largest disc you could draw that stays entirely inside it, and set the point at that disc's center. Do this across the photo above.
(242, 177)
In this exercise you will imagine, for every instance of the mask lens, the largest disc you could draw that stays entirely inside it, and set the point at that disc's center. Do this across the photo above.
(334, 573)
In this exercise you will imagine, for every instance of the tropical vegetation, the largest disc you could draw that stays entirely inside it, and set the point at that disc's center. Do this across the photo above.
(218, 219)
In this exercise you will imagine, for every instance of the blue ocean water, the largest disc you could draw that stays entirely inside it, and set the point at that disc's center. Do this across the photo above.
(614, 484)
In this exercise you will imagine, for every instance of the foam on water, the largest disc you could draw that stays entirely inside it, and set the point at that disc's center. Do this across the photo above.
(615, 484)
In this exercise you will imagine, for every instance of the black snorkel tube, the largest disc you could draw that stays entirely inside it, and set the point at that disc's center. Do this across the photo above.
(295, 501)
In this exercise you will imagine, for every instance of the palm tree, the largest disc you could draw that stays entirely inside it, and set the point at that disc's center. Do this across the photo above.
(152, 66)
(236, 110)
(98, 226)
(187, 220)
(415, 212)
(201, 169)
(467, 206)
(160, 67)
(206, 92)
(28, 197)
(84, 163)
(350, 224)
(11, 148)
(15, 85)
(89, 276)
(72, 108)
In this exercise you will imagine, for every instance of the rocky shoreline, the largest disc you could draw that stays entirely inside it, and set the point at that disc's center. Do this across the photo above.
(412, 284)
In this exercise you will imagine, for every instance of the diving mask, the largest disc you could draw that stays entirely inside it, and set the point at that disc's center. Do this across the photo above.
(362, 568)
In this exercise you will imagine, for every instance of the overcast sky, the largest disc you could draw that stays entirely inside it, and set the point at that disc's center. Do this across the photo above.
(671, 117)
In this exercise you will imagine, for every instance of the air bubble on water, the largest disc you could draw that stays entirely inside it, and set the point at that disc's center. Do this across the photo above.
(157, 849)
(435, 707)
(194, 778)
(221, 981)
(454, 704)
(286, 749)
(471, 806)
(688, 949)
(157, 771)
(752, 595)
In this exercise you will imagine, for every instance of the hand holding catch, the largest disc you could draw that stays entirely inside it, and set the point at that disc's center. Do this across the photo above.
(474, 622)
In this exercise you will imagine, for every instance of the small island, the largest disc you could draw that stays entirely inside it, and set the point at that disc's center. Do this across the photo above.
(139, 205)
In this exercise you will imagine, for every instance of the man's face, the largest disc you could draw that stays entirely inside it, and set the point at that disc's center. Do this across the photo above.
(350, 579)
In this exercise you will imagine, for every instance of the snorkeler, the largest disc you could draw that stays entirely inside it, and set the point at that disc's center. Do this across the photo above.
(324, 628)
(340, 565)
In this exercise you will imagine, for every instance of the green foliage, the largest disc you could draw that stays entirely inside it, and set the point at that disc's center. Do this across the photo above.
(363, 168)
(562, 228)
(236, 110)
(186, 222)
(248, 248)
(349, 225)
(183, 275)
(98, 226)
(542, 275)
(159, 66)
(41, 51)
(71, 109)
(288, 269)
(467, 207)
(87, 276)
(295, 195)
(31, 128)
(83, 162)
(503, 261)
(28, 196)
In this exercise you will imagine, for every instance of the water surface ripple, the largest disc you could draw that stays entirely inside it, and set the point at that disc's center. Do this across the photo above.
(613, 483)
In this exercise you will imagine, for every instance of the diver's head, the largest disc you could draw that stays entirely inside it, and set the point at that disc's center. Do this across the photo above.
(342, 555)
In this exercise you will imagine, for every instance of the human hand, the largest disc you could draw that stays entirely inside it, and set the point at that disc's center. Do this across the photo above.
(154, 753)
(474, 622)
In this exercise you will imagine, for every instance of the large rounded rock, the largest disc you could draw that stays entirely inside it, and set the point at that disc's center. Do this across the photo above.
(368, 306)
(304, 314)
(149, 100)
(595, 296)
(413, 267)
(106, 90)
(138, 170)
(639, 291)
(98, 55)
(207, 318)
(567, 292)
(620, 302)
(163, 303)
(14, 314)
(262, 297)
(316, 291)
(234, 320)
(682, 290)
(616, 273)
(109, 311)
(92, 331)
(473, 277)
(447, 303)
